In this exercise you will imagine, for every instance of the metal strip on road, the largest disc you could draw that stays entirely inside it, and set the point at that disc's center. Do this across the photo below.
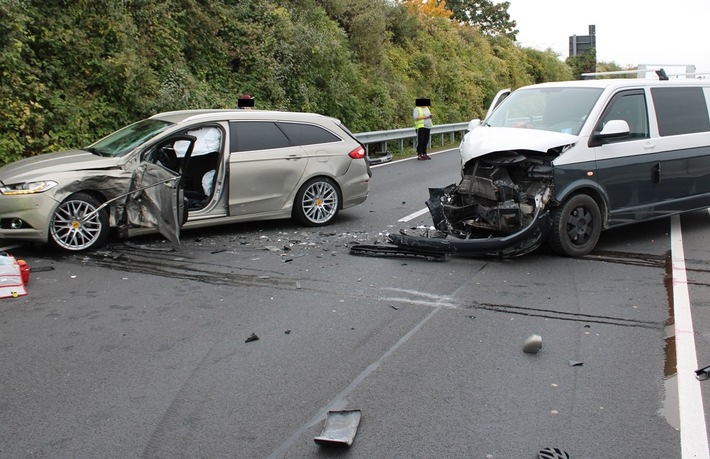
(693, 430)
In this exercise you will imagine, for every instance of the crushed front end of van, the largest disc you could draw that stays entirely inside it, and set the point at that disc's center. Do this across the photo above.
(501, 206)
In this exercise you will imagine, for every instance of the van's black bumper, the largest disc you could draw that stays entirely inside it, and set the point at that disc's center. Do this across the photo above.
(525, 240)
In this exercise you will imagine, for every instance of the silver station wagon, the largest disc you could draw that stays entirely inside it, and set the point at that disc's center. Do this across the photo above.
(560, 162)
(186, 169)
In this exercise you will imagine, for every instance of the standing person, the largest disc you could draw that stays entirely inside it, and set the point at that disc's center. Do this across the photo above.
(245, 102)
(422, 123)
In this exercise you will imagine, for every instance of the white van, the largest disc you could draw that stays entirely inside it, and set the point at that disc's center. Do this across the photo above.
(560, 162)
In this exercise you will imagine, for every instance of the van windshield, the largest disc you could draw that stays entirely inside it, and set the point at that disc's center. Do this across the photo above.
(128, 138)
(550, 109)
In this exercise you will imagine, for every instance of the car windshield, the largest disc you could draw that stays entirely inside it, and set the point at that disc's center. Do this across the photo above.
(128, 138)
(549, 109)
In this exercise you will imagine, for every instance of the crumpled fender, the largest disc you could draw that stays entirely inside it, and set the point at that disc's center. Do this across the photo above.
(541, 223)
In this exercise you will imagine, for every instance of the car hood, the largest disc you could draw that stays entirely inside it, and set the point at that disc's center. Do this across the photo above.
(42, 166)
(483, 140)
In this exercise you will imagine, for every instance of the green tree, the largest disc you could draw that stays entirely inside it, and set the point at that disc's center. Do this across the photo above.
(100, 64)
(546, 66)
(492, 18)
(583, 63)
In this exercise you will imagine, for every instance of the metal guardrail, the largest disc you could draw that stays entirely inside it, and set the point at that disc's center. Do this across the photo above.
(400, 135)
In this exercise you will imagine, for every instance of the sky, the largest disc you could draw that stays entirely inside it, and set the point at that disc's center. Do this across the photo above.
(628, 32)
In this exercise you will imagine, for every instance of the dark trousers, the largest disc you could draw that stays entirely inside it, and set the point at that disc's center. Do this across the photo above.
(422, 140)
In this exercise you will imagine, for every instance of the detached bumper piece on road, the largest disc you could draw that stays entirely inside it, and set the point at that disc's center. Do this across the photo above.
(396, 252)
(437, 248)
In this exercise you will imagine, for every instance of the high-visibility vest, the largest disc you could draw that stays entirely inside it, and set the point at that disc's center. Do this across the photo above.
(419, 123)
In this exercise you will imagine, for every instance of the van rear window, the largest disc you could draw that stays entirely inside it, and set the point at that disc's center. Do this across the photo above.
(680, 110)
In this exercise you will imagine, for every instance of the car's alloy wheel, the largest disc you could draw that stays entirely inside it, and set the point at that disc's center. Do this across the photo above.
(577, 226)
(76, 226)
(317, 202)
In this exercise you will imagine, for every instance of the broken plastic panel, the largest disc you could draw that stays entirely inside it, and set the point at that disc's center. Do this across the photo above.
(340, 428)
(703, 373)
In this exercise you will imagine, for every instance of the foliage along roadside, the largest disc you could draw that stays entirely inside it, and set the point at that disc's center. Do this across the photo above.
(72, 71)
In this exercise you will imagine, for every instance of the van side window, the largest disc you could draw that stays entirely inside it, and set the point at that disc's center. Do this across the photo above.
(256, 135)
(680, 110)
(307, 134)
(629, 106)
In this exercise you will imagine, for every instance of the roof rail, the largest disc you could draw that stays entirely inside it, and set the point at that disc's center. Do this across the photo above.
(643, 69)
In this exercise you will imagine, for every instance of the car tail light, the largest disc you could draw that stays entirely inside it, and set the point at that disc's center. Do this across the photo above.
(358, 153)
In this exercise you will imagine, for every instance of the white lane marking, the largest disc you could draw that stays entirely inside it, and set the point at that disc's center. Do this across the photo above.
(414, 215)
(424, 210)
(340, 400)
(693, 431)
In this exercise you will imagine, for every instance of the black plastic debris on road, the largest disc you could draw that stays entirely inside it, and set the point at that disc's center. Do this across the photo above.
(392, 251)
(552, 453)
(251, 338)
(340, 428)
(703, 373)
(574, 363)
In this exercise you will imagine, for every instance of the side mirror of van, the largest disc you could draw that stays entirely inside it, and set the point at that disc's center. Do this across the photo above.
(473, 124)
(613, 129)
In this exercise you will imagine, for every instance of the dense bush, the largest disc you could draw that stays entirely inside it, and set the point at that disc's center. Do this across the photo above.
(72, 71)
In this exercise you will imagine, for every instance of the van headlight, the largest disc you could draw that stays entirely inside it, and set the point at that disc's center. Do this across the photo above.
(27, 188)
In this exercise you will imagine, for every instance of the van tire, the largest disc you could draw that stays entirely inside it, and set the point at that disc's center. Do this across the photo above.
(317, 202)
(69, 231)
(576, 226)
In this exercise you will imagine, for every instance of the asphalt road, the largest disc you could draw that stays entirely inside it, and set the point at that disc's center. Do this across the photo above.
(138, 351)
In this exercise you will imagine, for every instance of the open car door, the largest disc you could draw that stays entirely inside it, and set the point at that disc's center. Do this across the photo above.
(499, 97)
(155, 198)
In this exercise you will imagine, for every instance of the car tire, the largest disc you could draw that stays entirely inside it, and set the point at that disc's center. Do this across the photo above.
(576, 226)
(317, 202)
(68, 232)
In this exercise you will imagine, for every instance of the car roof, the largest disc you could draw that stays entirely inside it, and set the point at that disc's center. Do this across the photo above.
(616, 83)
(182, 116)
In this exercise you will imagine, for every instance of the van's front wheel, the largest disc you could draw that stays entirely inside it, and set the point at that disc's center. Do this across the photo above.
(577, 226)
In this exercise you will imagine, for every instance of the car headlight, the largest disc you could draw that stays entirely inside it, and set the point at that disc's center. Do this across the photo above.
(27, 188)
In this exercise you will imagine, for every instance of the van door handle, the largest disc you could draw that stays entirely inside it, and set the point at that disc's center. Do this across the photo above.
(656, 173)
(649, 146)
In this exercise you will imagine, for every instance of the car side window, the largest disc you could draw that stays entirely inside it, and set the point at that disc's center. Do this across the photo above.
(256, 135)
(307, 134)
(629, 106)
(680, 110)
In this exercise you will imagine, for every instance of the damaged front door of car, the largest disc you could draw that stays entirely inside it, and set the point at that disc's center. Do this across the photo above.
(156, 198)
